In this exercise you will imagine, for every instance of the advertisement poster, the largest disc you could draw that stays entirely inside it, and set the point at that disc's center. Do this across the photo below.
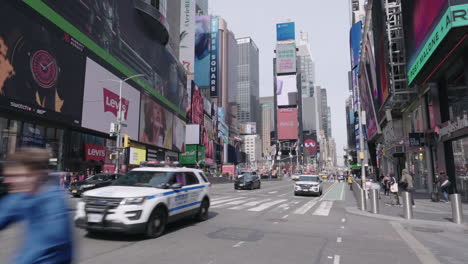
(101, 101)
(207, 106)
(381, 92)
(187, 35)
(286, 58)
(209, 147)
(355, 38)
(288, 125)
(229, 169)
(178, 137)
(137, 154)
(156, 123)
(285, 31)
(366, 103)
(197, 105)
(95, 152)
(214, 57)
(192, 134)
(286, 90)
(249, 128)
(189, 157)
(202, 50)
(311, 146)
(116, 27)
(41, 72)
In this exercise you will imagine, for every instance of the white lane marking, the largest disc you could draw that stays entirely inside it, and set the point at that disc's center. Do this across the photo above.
(266, 205)
(239, 244)
(343, 220)
(272, 192)
(342, 227)
(237, 202)
(423, 254)
(282, 195)
(275, 223)
(336, 260)
(339, 240)
(286, 216)
(324, 208)
(220, 198)
(306, 207)
(330, 257)
(329, 189)
(249, 204)
(342, 191)
(226, 200)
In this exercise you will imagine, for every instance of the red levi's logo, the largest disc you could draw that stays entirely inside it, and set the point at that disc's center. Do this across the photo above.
(95, 152)
(111, 103)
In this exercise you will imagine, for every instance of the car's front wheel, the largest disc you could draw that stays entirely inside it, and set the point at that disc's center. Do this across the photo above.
(156, 223)
(202, 214)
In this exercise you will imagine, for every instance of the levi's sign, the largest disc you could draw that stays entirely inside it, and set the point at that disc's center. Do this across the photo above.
(95, 152)
(455, 16)
(111, 103)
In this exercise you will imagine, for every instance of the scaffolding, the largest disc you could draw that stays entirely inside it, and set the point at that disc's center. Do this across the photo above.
(401, 94)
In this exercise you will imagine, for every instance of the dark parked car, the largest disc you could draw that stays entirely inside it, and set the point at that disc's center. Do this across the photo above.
(93, 182)
(247, 181)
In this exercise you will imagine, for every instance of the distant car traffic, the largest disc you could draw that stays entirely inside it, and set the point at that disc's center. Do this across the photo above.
(308, 184)
(93, 182)
(247, 181)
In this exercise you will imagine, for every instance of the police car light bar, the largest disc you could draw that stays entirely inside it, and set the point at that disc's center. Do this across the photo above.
(157, 163)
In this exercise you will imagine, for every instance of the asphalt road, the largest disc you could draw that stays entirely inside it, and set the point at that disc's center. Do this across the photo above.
(269, 226)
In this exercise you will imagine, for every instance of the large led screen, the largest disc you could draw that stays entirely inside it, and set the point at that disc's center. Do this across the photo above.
(178, 138)
(202, 50)
(119, 29)
(285, 31)
(41, 72)
(156, 123)
(101, 101)
(288, 125)
(286, 90)
(286, 58)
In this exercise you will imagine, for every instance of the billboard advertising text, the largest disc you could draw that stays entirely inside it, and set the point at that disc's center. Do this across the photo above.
(286, 58)
(249, 128)
(202, 50)
(115, 31)
(214, 57)
(137, 154)
(286, 90)
(101, 101)
(178, 138)
(197, 105)
(187, 35)
(156, 123)
(189, 157)
(41, 71)
(285, 31)
(288, 126)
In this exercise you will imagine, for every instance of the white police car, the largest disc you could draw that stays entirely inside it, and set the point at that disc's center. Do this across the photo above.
(145, 200)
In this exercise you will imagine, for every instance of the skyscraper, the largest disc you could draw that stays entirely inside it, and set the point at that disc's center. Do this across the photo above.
(306, 66)
(267, 123)
(324, 111)
(248, 90)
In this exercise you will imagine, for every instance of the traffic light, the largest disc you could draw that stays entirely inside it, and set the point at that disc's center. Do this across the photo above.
(126, 141)
(113, 156)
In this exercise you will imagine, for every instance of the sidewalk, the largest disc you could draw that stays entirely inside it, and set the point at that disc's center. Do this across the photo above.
(425, 209)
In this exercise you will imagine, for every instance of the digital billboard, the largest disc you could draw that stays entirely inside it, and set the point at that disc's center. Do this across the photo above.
(115, 31)
(189, 157)
(137, 154)
(286, 90)
(288, 125)
(381, 89)
(156, 123)
(285, 31)
(214, 66)
(192, 134)
(286, 58)
(355, 39)
(209, 147)
(197, 105)
(187, 35)
(101, 101)
(248, 128)
(41, 71)
(366, 103)
(202, 50)
(178, 138)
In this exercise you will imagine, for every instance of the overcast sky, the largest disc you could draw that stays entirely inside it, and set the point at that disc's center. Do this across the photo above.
(326, 22)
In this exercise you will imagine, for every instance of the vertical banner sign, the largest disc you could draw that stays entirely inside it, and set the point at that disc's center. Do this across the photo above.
(214, 57)
(187, 36)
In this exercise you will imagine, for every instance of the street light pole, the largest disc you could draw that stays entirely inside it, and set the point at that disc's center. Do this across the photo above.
(119, 118)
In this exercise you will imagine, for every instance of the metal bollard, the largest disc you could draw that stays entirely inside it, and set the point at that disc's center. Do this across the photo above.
(363, 200)
(407, 206)
(375, 201)
(457, 211)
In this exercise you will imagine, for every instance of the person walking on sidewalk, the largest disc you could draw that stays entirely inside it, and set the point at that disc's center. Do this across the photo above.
(350, 182)
(393, 183)
(407, 184)
(444, 185)
(386, 185)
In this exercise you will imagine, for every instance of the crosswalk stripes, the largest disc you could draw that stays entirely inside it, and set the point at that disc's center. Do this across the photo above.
(226, 200)
(324, 208)
(249, 204)
(306, 207)
(235, 202)
(266, 205)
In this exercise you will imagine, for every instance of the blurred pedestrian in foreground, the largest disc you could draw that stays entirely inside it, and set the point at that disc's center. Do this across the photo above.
(39, 202)
(444, 185)
(395, 199)
(407, 184)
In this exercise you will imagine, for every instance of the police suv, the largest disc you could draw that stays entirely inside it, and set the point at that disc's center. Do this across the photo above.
(145, 200)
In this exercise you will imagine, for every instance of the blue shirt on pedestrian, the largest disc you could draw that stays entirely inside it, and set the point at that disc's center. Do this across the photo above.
(48, 234)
